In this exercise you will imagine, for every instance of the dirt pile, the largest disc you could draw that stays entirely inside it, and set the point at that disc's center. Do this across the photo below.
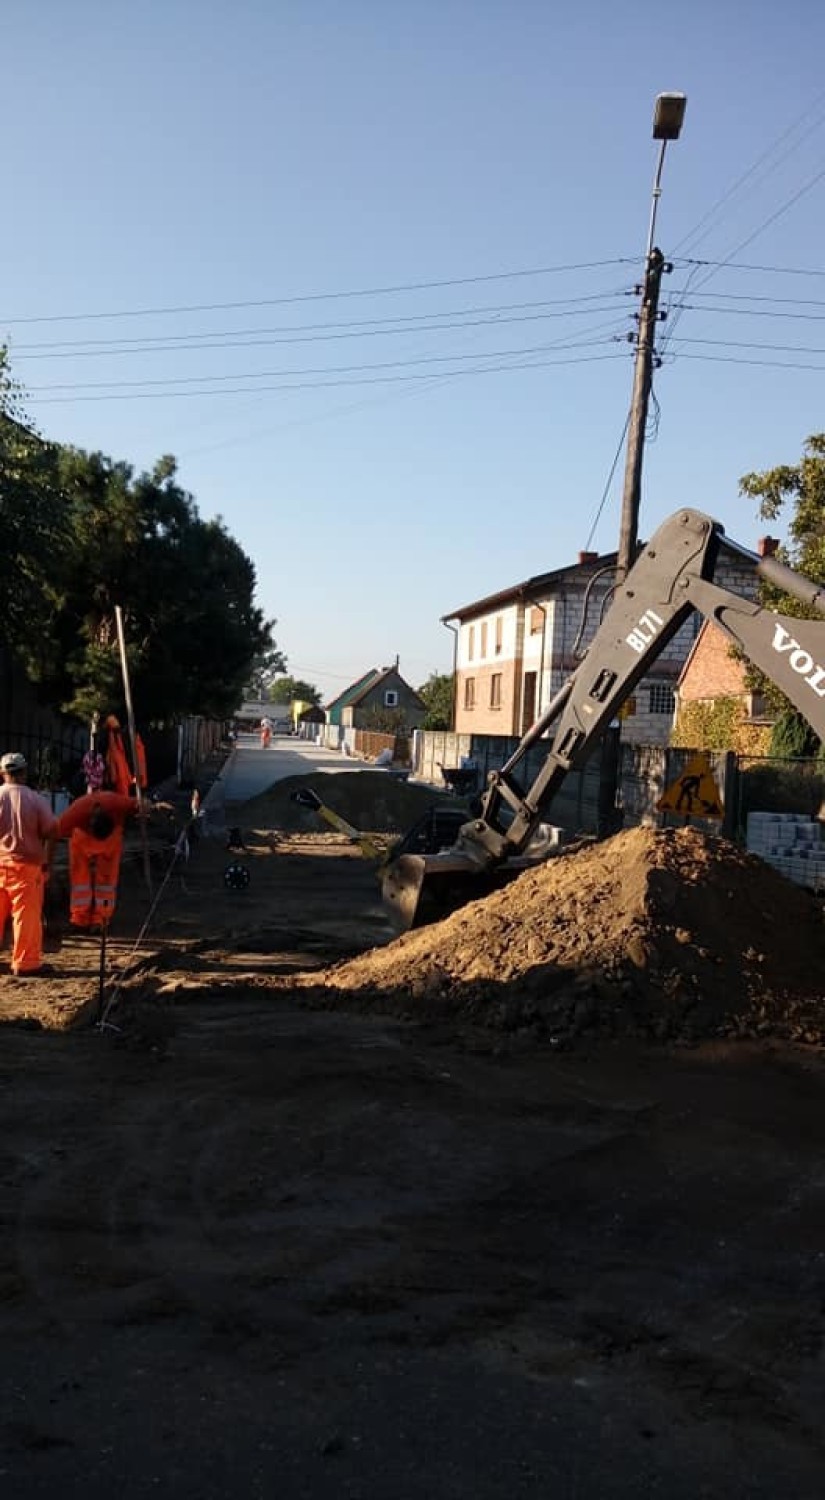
(671, 934)
(374, 801)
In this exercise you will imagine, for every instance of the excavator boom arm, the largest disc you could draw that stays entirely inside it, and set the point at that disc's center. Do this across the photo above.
(672, 578)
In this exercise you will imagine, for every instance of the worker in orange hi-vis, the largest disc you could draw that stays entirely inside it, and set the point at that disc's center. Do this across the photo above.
(27, 828)
(94, 825)
(141, 776)
(118, 774)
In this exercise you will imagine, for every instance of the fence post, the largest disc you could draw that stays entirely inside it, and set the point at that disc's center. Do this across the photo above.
(730, 795)
(609, 817)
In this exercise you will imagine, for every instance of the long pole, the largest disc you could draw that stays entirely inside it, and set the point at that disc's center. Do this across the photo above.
(101, 978)
(642, 382)
(130, 715)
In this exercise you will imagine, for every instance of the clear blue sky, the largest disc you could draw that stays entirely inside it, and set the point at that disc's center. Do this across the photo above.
(177, 153)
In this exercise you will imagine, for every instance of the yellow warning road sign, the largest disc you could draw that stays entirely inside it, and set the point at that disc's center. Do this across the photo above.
(694, 793)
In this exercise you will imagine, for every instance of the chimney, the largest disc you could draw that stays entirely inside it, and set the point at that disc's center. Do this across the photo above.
(586, 557)
(767, 545)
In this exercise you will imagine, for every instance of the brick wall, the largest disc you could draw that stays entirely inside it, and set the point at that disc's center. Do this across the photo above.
(712, 672)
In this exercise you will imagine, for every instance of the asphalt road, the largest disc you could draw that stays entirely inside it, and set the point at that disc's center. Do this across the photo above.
(251, 769)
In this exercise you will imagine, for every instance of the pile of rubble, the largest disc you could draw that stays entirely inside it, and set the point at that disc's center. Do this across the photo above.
(668, 934)
(375, 801)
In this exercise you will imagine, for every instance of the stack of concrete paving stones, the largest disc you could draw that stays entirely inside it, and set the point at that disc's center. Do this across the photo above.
(792, 843)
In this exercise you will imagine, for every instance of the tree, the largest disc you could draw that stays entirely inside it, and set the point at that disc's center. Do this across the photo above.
(803, 486)
(185, 586)
(82, 535)
(294, 690)
(32, 518)
(264, 670)
(437, 695)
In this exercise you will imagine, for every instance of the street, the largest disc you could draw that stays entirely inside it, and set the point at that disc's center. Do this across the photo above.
(251, 769)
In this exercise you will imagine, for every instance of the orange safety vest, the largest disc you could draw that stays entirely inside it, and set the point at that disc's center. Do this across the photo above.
(140, 752)
(117, 766)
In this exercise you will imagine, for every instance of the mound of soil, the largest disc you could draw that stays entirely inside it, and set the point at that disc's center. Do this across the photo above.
(670, 933)
(372, 801)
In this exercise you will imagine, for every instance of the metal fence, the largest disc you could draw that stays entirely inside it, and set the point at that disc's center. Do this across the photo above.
(54, 751)
(585, 804)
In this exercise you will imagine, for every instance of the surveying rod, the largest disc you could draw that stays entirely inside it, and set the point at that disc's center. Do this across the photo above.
(130, 715)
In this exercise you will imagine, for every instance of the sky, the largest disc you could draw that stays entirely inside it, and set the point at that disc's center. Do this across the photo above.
(367, 269)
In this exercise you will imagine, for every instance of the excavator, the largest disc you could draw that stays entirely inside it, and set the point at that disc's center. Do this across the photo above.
(672, 577)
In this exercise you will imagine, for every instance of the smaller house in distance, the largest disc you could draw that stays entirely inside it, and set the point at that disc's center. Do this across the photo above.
(381, 701)
(252, 710)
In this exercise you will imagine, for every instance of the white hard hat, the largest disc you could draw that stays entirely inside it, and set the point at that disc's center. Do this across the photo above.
(14, 761)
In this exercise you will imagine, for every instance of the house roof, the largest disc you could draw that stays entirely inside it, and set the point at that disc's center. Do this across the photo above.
(358, 690)
(344, 699)
(533, 588)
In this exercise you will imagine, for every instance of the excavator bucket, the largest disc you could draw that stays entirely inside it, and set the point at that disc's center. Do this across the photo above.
(421, 888)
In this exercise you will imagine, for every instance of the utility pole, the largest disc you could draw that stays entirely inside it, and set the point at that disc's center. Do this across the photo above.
(642, 382)
(668, 116)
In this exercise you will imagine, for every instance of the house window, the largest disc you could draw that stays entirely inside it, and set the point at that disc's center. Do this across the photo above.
(469, 692)
(391, 698)
(495, 690)
(483, 629)
(536, 620)
(471, 643)
(662, 700)
(499, 634)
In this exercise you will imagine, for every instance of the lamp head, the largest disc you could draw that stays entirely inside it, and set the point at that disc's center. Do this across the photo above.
(668, 115)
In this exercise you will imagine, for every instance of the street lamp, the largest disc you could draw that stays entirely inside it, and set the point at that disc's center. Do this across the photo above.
(668, 116)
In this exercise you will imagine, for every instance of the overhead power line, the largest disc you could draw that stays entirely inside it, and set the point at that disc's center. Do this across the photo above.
(714, 212)
(733, 359)
(606, 491)
(312, 338)
(749, 312)
(418, 323)
(766, 223)
(371, 291)
(740, 265)
(753, 297)
(739, 344)
(432, 375)
(392, 364)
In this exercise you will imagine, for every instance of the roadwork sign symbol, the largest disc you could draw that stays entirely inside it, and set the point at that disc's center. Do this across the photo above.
(694, 793)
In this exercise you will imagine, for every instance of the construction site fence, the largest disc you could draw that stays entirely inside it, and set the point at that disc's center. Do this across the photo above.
(54, 750)
(585, 803)
(621, 784)
(367, 744)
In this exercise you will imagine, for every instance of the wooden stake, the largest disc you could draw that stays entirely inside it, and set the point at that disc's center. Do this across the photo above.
(130, 715)
(101, 984)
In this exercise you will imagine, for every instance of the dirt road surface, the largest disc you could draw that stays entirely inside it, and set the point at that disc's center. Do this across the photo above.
(256, 1249)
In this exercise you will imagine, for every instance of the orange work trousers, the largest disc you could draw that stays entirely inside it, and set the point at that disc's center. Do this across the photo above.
(94, 865)
(21, 896)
